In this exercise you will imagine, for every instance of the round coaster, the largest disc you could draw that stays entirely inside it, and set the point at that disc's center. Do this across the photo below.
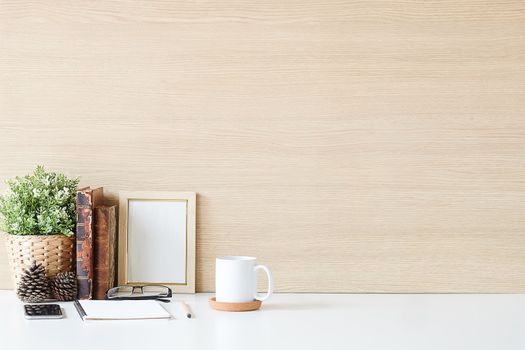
(234, 307)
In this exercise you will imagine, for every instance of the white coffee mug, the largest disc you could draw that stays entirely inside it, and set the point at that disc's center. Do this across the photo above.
(236, 279)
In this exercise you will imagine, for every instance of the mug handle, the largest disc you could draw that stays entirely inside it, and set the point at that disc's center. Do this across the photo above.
(270, 282)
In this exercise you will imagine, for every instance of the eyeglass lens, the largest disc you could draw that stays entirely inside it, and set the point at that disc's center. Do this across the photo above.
(121, 291)
(155, 290)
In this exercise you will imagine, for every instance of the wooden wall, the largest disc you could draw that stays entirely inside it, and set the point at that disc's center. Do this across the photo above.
(353, 146)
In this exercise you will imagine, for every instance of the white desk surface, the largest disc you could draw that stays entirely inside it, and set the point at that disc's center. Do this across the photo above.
(288, 321)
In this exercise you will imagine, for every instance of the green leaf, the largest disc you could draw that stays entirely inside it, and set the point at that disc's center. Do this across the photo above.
(42, 203)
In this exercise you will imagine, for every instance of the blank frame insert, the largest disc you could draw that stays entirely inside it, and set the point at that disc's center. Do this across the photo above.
(150, 222)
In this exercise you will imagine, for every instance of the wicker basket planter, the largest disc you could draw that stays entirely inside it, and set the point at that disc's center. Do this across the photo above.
(55, 252)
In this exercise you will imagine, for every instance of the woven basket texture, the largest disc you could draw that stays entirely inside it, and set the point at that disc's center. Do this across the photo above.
(55, 252)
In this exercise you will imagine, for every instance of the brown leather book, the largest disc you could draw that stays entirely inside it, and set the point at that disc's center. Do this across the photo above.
(104, 250)
(87, 199)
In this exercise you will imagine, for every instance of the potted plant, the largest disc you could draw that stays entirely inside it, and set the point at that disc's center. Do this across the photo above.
(37, 214)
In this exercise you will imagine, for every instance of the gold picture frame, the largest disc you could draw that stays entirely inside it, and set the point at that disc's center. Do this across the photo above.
(157, 239)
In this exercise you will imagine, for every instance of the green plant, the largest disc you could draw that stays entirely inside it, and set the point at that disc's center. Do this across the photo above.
(42, 203)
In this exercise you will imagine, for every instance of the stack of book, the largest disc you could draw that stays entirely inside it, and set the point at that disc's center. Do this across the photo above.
(96, 235)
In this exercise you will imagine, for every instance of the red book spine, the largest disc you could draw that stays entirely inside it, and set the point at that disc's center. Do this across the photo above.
(86, 199)
(104, 250)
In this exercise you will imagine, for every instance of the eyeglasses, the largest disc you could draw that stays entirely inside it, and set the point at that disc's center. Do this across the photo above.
(146, 292)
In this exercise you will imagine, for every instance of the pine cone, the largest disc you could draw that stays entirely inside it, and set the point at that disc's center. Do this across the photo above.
(64, 286)
(34, 285)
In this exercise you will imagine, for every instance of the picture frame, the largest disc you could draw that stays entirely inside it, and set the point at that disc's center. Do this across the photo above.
(157, 239)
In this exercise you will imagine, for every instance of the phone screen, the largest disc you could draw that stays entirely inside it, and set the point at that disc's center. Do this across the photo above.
(42, 310)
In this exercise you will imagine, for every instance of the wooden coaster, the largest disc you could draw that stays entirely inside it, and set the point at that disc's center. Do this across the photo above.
(234, 307)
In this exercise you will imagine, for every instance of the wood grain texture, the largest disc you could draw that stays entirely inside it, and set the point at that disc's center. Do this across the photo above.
(353, 146)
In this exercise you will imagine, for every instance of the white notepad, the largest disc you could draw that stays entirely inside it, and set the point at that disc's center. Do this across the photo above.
(120, 310)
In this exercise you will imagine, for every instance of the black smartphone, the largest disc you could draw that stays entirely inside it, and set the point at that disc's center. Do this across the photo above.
(40, 311)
